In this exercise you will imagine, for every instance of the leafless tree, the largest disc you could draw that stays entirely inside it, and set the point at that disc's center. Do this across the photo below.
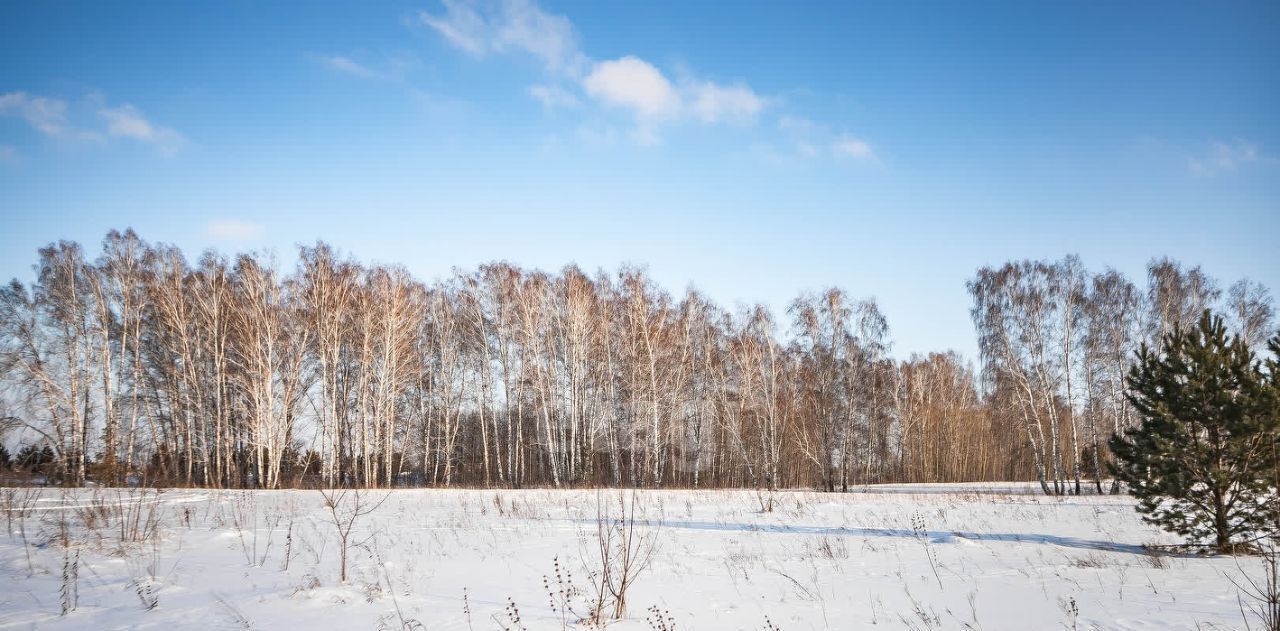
(229, 372)
(1251, 312)
(625, 543)
(1175, 297)
(346, 509)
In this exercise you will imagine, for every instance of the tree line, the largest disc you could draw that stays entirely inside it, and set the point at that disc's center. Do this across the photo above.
(1057, 343)
(226, 371)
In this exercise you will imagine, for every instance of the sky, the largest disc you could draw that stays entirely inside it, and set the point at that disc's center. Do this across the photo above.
(752, 150)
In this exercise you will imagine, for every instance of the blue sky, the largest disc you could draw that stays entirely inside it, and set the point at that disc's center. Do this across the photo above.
(754, 150)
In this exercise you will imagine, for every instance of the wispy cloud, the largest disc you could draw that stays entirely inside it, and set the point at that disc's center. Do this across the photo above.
(50, 117)
(45, 115)
(392, 68)
(126, 121)
(8, 154)
(1223, 157)
(553, 96)
(850, 147)
(714, 103)
(233, 230)
(809, 139)
(510, 26)
(347, 66)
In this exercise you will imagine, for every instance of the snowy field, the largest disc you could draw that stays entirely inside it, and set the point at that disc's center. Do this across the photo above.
(894, 557)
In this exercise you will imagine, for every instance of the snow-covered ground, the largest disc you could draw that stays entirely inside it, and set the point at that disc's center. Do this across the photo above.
(931, 556)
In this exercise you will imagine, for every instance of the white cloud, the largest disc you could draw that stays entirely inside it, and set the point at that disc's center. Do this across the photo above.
(850, 147)
(233, 230)
(714, 103)
(553, 96)
(635, 84)
(1222, 157)
(640, 87)
(481, 28)
(48, 116)
(126, 121)
(628, 83)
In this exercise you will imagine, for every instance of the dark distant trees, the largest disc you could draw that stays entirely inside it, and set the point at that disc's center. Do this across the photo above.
(1202, 461)
(35, 459)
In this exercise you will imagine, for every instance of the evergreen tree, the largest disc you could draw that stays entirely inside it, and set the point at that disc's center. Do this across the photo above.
(5, 459)
(1202, 462)
(31, 458)
(1273, 379)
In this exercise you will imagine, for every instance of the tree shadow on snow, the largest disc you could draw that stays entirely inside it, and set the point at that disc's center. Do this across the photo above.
(934, 536)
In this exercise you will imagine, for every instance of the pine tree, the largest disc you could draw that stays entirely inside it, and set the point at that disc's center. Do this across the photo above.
(1201, 464)
(1273, 380)
(32, 458)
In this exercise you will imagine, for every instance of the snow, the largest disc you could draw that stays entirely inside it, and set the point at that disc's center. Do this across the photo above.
(897, 557)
